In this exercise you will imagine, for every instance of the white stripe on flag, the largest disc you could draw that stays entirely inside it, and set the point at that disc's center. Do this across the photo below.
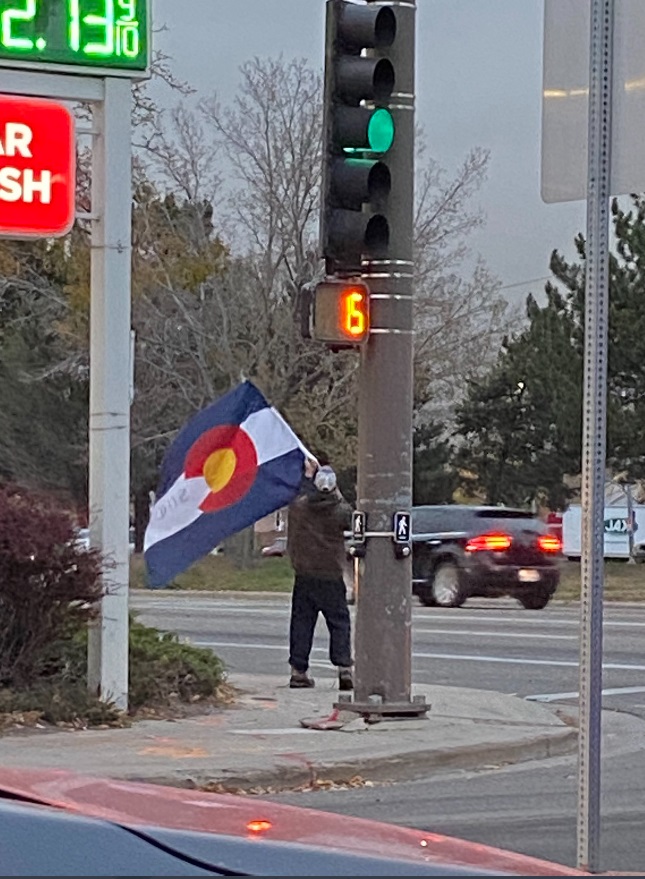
(176, 510)
(179, 507)
(271, 435)
(303, 448)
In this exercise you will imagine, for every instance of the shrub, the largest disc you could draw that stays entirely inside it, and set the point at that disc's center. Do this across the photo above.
(49, 591)
(163, 670)
(163, 673)
(49, 586)
(60, 701)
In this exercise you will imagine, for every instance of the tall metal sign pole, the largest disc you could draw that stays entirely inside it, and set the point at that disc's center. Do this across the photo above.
(594, 432)
(599, 130)
(110, 370)
(384, 611)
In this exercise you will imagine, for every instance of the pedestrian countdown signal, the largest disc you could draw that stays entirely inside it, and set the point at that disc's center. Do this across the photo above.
(341, 313)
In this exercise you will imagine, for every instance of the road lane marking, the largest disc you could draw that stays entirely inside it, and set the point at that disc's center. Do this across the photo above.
(510, 660)
(545, 620)
(419, 614)
(196, 607)
(471, 632)
(455, 657)
(559, 697)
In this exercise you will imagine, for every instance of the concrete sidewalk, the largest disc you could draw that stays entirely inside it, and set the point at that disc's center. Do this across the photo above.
(260, 743)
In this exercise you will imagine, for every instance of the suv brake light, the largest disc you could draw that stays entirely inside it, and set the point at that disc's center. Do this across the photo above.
(489, 543)
(549, 543)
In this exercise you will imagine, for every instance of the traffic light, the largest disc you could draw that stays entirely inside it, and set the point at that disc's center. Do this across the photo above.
(359, 131)
(341, 313)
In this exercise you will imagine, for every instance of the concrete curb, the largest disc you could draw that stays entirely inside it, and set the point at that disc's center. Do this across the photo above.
(208, 593)
(395, 768)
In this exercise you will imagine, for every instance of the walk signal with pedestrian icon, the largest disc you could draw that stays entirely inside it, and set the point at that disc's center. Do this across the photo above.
(401, 527)
(359, 131)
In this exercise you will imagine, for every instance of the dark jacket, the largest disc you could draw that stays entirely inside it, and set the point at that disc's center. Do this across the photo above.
(315, 541)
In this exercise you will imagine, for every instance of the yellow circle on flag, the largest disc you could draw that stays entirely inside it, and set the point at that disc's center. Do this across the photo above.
(219, 469)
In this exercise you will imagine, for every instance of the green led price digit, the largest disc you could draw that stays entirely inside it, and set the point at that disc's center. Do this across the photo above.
(129, 10)
(9, 16)
(74, 25)
(104, 22)
(127, 29)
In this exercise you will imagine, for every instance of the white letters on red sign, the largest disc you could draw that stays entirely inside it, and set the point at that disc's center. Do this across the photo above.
(16, 184)
(16, 140)
(37, 167)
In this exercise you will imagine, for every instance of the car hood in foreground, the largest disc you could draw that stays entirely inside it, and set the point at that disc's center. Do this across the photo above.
(140, 805)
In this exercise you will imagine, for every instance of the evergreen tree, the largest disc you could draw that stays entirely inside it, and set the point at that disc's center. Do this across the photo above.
(434, 479)
(43, 389)
(521, 426)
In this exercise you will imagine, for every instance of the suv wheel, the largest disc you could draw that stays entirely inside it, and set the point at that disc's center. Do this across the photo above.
(446, 589)
(536, 599)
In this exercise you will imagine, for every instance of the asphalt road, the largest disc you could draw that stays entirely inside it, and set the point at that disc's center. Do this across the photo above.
(492, 645)
(489, 645)
(529, 807)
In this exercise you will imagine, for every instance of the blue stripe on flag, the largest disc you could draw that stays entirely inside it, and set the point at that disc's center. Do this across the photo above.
(276, 484)
(232, 408)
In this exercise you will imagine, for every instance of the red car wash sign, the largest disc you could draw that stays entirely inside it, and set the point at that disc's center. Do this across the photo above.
(37, 168)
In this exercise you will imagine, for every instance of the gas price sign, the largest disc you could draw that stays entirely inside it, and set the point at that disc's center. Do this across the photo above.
(112, 35)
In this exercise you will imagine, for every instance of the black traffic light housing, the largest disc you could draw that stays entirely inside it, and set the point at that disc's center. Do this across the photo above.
(358, 133)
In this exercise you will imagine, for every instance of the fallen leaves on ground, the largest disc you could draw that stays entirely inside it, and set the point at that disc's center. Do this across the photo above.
(19, 719)
(318, 784)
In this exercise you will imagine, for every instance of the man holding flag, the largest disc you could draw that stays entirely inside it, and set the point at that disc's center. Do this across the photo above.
(318, 518)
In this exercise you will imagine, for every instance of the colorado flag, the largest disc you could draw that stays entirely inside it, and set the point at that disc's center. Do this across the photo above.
(233, 463)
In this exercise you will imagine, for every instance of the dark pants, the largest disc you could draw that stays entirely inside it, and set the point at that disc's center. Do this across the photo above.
(312, 596)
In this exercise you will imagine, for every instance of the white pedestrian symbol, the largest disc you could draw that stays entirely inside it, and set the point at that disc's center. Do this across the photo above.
(403, 528)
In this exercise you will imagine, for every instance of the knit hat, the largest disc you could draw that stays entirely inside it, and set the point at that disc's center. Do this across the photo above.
(325, 479)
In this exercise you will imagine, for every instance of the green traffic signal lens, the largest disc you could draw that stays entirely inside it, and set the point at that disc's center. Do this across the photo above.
(380, 131)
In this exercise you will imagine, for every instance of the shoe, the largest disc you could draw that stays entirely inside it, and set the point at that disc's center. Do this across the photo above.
(300, 680)
(345, 680)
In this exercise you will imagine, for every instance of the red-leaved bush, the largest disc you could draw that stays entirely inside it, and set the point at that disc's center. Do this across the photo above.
(49, 586)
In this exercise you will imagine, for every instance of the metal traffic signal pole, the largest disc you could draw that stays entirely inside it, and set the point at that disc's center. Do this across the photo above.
(367, 212)
(383, 612)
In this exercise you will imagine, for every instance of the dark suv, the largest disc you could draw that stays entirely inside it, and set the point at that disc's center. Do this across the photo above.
(464, 551)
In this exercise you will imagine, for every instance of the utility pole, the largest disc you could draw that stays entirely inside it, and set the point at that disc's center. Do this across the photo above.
(384, 608)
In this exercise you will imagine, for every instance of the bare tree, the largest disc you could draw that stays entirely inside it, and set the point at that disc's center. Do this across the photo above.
(271, 138)
(240, 319)
(459, 320)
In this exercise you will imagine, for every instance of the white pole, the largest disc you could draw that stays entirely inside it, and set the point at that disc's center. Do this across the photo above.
(110, 353)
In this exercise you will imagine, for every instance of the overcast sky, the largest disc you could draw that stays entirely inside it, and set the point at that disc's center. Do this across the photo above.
(479, 83)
